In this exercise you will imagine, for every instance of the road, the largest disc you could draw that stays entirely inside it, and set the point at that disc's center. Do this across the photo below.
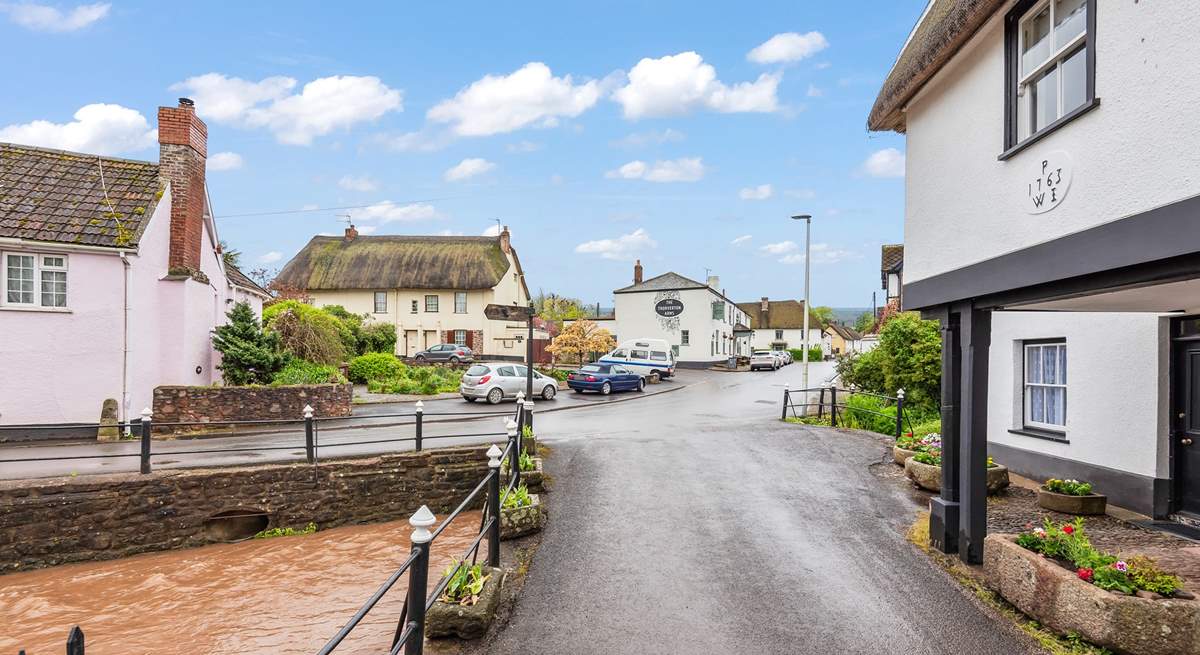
(698, 522)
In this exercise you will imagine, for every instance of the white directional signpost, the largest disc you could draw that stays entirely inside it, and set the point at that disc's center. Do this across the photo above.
(517, 313)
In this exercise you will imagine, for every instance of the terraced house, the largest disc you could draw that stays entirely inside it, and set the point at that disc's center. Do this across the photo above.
(113, 276)
(432, 288)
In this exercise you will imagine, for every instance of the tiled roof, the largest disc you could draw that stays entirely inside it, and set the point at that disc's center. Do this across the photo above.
(891, 258)
(663, 282)
(237, 277)
(781, 315)
(396, 262)
(57, 196)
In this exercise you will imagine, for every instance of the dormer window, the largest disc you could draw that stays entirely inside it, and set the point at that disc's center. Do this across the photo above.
(1050, 66)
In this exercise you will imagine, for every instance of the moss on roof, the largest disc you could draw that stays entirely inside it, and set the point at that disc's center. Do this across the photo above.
(396, 262)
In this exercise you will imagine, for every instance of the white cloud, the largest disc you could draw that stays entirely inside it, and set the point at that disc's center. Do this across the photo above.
(491, 231)
(740, 240)
(389, 212)
(653, 137)
(43, 18)
(270, 257)
(530, 96)
(522, 147)
(358, 183)
(366, 229)
(225, 161)
(780, 248)
(309, 207)
(760, 192)
(424, 140)
(622, 247)
(788, 47)
(676, 84)
(822, 253)
(97, 129)
(468, 168)
(684, 169)
(888, 162)
(322, 105)
(814, 91)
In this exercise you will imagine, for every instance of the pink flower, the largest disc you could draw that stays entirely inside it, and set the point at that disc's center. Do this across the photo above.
(1120, 566)
(1039, 532)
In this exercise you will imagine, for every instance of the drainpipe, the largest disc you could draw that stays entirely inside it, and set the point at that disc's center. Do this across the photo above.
(125, 341)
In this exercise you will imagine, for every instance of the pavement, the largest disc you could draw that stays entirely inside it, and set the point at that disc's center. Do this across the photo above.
(698, 522)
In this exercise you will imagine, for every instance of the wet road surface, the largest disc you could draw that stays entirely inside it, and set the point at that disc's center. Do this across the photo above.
(286, 595)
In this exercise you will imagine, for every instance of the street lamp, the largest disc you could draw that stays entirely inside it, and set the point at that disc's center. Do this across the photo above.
(807, 218)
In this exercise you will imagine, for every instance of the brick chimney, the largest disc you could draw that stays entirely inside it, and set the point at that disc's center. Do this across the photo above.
(351, 233)
(637, 272)
(505, 240)
(182, 151)
(766, 304)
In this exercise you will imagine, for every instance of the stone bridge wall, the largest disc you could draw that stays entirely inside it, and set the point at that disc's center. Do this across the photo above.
(53, 521)
(182, 404)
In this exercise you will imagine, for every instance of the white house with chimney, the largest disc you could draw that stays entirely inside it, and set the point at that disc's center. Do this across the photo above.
(113, 277)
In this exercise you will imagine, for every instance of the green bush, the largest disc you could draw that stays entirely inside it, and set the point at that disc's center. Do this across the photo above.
(1068, 487)
(920, 428)
(307, 332)
(419, 380)
(815, 354)
(375, 366)
(377, 338)
(249, 355)
(299, 371)
(909, 357)
(869, 413)
(556, 373)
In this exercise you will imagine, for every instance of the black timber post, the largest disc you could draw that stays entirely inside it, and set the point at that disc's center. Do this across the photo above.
(786, 402)
(944, 509)
(833, 405)
(976, 331)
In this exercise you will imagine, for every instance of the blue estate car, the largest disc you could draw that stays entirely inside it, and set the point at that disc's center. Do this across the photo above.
(605, 378)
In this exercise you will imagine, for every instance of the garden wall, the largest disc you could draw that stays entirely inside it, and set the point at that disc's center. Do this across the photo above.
(58, 520)
(181, 404)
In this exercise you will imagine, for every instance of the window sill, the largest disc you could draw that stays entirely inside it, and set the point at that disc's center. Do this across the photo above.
(42, 310)
(1048, 435)
(1049, 129)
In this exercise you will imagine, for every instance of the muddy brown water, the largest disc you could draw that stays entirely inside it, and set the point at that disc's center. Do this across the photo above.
(283, 595)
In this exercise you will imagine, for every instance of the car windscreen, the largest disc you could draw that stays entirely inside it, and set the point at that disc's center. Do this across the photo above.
(592, 368)
(478, 369)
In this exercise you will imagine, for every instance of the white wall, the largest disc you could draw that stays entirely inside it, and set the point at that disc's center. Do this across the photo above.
(763, 337)
(1137, 150)
(636, 319)
(1116, 387)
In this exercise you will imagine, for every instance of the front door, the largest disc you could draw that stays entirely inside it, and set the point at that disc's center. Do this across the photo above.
(431, 339)
(1186, 434)
(411, 346)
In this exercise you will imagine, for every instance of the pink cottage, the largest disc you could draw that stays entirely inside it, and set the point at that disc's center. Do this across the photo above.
(111, 277)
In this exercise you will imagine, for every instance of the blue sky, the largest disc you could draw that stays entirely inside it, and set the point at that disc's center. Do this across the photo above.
(675, 133)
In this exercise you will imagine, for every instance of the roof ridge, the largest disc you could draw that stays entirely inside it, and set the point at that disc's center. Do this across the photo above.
(56, 151)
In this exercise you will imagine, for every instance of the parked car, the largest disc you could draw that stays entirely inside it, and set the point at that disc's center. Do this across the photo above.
(445, 352)
(502, 380)
(783, 355)
(765, 359)
(605, 378)
(645, 356)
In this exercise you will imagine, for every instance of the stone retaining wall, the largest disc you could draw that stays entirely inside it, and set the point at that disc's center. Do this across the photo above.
(180, 404)
(97, 517)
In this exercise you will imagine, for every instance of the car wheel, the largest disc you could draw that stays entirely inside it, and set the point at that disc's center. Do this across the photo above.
(641, 385)
(495, 396)
(577, 390)
(605, 389)
(420, 359)
(470, 399)
(548, 392)
(454, 360)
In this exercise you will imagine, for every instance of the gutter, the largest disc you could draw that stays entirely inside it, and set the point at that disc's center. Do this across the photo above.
(68, 247)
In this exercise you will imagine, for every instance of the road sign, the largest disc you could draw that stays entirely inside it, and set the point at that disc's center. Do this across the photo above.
(507, 312)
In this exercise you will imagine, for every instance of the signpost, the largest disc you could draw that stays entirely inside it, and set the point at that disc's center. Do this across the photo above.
(517, 313)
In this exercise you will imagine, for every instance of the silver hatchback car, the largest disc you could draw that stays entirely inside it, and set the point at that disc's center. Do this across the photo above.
(501, 381)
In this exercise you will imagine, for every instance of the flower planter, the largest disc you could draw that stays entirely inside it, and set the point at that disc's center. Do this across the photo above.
(1061, 601)
(534, 480)
(520, 521)
(466, 621)
(900, 455)
(1085, 505)
(929, 477)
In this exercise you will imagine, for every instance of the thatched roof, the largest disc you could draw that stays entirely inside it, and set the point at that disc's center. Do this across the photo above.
(396, 262)
(945, 27)
(58, 196)
(780, 315)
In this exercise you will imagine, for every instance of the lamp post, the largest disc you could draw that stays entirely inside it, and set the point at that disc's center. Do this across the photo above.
(807, 218)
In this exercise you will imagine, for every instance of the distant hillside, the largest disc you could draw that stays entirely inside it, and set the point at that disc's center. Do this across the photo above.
(848, 315)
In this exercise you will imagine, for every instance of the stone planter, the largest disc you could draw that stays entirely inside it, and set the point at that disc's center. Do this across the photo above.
(1058, 599)
(534, 480)
(520, 521)
(1085, 505)
(900, 455)
(466, 622)
(929, 477)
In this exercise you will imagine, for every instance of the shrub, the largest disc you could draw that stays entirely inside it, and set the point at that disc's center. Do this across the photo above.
(870, 413)
(909, 357)
(1068, 487)
(926, 426)
(349, 327)
(815, 354)
(556, 373)
(377, 338)
(375, 366)
(465, 584)
(419, 380)
(299, 371)
(518, 496)
(306, 332)
(248, 354)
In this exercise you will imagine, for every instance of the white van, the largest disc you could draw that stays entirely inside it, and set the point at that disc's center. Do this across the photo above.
(646, 356)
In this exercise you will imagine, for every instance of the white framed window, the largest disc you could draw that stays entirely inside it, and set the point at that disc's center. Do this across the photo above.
(35, 280)
(684, 337)
(431, 304)
(1045, 381)
(460, 337)
(1051, 63)
(460, 302)
(380, 302)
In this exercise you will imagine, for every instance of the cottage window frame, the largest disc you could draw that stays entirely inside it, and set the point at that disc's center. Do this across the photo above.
(44, 272)
(460, 302)
(431, 304)
(1035, 382)
(380, 296)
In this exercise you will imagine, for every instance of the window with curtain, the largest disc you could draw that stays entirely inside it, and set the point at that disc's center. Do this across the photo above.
(460, 302)
(380, 302)
(1046, 385)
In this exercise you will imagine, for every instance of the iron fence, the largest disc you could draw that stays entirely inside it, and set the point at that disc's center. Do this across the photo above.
(838, 410)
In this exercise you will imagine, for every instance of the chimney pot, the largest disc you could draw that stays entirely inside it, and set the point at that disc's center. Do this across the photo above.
(186, 102)
(637, 272)
(351, 233)
(505, 240)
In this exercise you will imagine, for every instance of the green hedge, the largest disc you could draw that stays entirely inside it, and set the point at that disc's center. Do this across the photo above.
(375, 366)
(299, 371)
(419, 380)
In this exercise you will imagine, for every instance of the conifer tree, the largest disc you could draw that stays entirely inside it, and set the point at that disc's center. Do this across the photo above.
(249, 355)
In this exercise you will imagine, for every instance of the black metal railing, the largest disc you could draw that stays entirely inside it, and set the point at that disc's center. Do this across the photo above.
(143, 432)
(835, 405)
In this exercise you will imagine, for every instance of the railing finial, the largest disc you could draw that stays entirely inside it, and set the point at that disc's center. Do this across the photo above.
(420, 406)
(900, 392)
(146, 414)
(421, 522)
(511, 428)
(308, 411)
(494, 454)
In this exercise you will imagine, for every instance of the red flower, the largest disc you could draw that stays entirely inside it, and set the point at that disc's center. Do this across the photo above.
(1085, 574)
(1071, 530)
(910, 434)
